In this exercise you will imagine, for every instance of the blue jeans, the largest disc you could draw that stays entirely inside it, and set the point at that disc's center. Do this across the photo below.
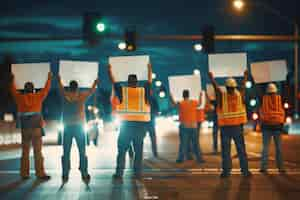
(267, 135)
(77, 132)
(187, 137)
(130, 133)
(227, 134)
(152, 134)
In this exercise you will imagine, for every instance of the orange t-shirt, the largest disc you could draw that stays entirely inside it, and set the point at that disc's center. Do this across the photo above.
(188, 113)
(30, 102)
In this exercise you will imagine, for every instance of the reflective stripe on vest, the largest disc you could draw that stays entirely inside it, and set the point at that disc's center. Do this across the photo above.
(234, 114)
(271, 112)
(133, 106)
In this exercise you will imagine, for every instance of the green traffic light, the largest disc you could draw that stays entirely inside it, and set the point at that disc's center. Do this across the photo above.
(100, 27)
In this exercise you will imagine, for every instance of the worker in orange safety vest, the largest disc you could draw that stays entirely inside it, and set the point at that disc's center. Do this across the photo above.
(232, 116)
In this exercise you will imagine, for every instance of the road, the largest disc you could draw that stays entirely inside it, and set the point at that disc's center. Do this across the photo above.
(163, 178)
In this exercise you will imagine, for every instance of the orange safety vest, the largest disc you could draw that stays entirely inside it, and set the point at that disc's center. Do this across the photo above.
(271, 111)
(188, 112)
(114, 103)
(200, 115)
(233, 111)
(133, 106)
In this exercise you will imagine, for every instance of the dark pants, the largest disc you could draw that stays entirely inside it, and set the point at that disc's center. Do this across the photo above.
(227, 134)
(77, 132)
(130, 133)
(152, 134)
(215, 134)
(268, 134)
(187, 137)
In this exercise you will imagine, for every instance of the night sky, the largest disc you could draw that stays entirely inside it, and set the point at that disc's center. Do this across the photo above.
(35, 18)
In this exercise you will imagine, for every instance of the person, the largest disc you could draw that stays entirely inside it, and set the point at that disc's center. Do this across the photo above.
(134, 113)
(74, 118)
(29, 106)
(215, 128)
(188, 127)
(231, 118)
(151, 125)
(272, 117)
(114, 103)
(200, 118)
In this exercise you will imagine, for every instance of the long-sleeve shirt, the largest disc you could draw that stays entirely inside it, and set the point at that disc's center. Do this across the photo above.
(31, 102)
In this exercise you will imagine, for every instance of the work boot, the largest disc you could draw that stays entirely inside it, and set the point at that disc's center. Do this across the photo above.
(65, 179)
(225, 175)
(247, 174)
(263, 171)
(86, 178)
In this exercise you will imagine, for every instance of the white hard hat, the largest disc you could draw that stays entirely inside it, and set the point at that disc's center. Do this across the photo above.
(271, 88)
(231, 82)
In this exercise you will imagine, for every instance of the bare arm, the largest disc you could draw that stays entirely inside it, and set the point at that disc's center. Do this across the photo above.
(44, 92)
(13, 89)
(173, 102)
(61, 86)
(243, 87)
(149, 73)
(110, 74)
(93, 89)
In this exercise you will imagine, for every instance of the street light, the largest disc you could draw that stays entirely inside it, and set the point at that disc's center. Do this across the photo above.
(240, 4)
(158, 83)
(153, 76)
(122, 45)
(196, 72)
(198, 47)
(100, 27)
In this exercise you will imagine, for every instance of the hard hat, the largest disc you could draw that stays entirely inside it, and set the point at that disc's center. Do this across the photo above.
(271, 88)
(231, 82)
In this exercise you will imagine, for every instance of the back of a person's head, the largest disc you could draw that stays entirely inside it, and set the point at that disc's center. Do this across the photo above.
(29, 87)
(186, 94)
(132, 80)
(73, 86)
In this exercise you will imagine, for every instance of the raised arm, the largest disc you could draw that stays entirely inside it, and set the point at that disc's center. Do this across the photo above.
(61, 86)
(110, 74)
(173, 102)
(13, 89)
(93, 88)
(243, 86)
(149, 73)
(202, 100)
(44, 92)
(214, 82)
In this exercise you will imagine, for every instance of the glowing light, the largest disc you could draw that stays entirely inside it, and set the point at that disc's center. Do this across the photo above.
(61, 127)
(122, 45)
(196, 72)
(90, 107)
(248, 84)
(198, 47)
(289, 120)
(158, 83)
(162, 94)
(100, 27)
(238, 4)
(252, 102)
(211, 124)
(175, 117)
(117, 122)
(205, 124)
(153, 76)
(254, 116)
(96, 110)
(286, 106)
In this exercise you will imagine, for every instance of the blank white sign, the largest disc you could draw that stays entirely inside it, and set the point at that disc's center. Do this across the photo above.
(228, 64)
(187, 82)
(124, 65)
(269, 71)
(85, 73)
(37, 73)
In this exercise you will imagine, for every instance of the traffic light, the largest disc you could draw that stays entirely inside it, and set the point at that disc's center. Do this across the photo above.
(93, 27)
(130, 39)
(208, 41)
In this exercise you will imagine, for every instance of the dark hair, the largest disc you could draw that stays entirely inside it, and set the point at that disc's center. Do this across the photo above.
(132, 79)
(28, 87)
(73, 85)
(186, 93)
